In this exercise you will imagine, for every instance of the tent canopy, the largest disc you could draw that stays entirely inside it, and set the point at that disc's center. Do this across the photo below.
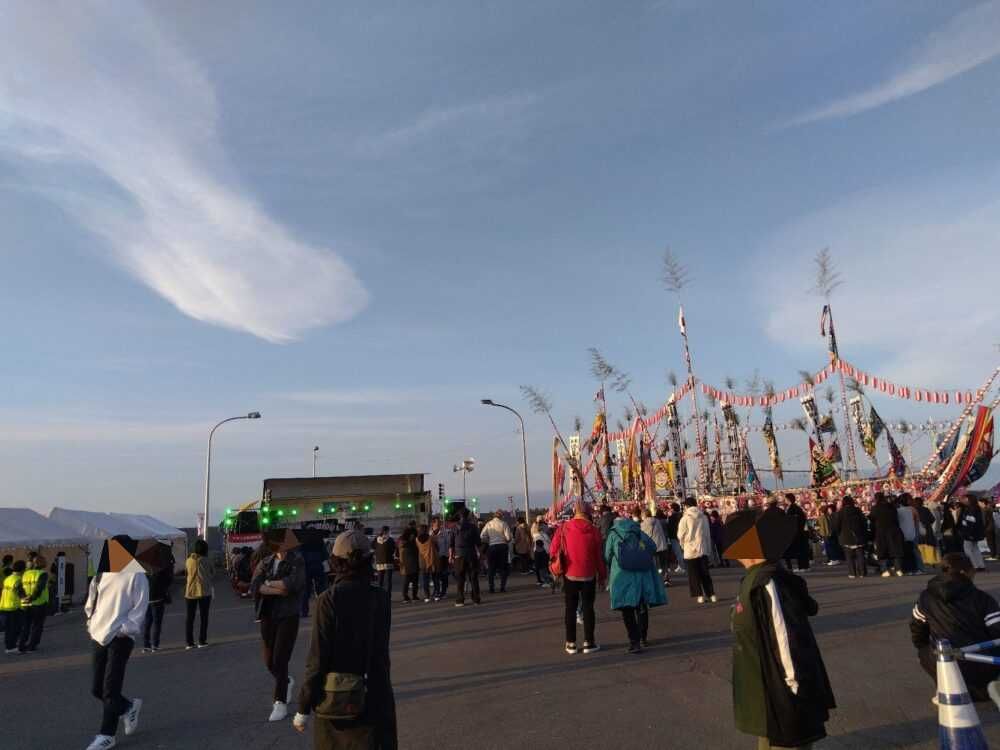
(21, 527)
(95, 525)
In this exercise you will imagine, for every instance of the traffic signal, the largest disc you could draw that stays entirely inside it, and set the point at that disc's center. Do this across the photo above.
(440, 492)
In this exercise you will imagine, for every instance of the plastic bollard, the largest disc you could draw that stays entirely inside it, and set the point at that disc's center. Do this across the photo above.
(958, 722)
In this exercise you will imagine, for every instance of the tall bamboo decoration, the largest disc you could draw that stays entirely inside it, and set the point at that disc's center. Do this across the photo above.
(675, 278)
(827, 280)
(673, 424)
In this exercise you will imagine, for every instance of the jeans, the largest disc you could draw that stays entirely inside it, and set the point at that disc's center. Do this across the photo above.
(636, 621)
(409, 583)
(279, 641)
(153, 624)
(385, 580)
(108, 677)
(497, 556)
(699, 579)
(425, 582)
(678, 553)
(971, 550)
(580, 594)
(467, 568)
(856, 565)
(12, 628)
(201, 605)
(441, 578)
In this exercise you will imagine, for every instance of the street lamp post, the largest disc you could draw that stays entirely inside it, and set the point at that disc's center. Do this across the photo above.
(465, 467)
(315, 454)
(524, 454)
(208, 468)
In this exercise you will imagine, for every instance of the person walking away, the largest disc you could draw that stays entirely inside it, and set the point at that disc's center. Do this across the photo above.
(442, 536)
(198, 593)
(34, 605)
(909, 525)
(496, 534)
(523, 546)
(427, 554)
(852, 533)
(409, 564)
(543, 543)
(464, 557)
(927, 546)
(11, 597)
(313, 553)
(695, 538)
(824, 527)
(277, 587)
(652, 528)
(989, 527)
(888, 536)
(159, 597)
(951, 539)
(970, 530)
(116, 607)
(385, 556)
(633, 587)
(605, 520)
(715, 530)
(350, 648)
(781, 692)
(952, 608)
(673, 521)
(799, 549)
(577, 544)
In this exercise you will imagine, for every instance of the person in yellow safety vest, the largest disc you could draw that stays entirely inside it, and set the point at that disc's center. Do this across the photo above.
(35, 603)
(10, 604)
(5, 570)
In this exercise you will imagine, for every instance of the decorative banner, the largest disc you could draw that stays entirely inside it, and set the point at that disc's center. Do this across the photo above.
(898, 469)
(970, 447)
(596, 432)
(558, 474)
(983, 454)
(752, 479)
(823, 471)
(863, 427)
(648, 482)
(772, 449)
(663, 475)
(832, 453)
(812, 414)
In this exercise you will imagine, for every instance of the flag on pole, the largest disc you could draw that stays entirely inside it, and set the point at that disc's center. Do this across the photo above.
(823, 471)
(827, 317)
(833, 453)
(557, 477)
(599, 396)
(898, 462)
(680, 321)
(772, 448)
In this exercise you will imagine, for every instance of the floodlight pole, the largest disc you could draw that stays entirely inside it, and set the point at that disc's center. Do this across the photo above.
(208, 468)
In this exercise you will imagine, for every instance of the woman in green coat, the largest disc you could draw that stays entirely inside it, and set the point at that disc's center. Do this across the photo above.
(633, 592)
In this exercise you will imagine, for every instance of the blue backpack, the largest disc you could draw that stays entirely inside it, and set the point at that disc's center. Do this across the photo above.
(633, 553)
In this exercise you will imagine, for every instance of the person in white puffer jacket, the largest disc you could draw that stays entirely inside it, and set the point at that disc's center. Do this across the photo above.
(695, 537)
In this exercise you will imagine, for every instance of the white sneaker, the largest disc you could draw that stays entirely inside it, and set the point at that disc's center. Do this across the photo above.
(993, 690)
(715, 599)
(886, 574)
(102, 742)
(899, 573)
(701, 600)
(279, 712)
(291, 689)
(579, 619)
(131, 718)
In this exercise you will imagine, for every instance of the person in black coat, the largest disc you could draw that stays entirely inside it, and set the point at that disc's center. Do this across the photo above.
(350, 636)
(953, 609)
(851, 530)
(798, 550)
(888, 536)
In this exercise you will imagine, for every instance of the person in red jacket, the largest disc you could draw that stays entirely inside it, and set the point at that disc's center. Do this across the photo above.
(577, 549)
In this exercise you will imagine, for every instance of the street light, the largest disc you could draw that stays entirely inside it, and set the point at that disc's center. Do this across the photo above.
(208, 468)
(524, 453)
(465, 467)
(315, 454)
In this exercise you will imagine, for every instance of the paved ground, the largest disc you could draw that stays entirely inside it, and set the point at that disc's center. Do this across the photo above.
(495, 676)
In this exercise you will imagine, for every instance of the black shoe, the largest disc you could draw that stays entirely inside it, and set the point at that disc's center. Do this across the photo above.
(645, 643)
(492, 591)
(634, 648)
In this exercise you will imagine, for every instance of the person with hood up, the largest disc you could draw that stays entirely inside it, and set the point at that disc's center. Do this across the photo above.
(576, 550)
(849, 525)
(695, 537)
(633, 591)
(652, 528)
(198, 593)
(781, 692)
(953, 609)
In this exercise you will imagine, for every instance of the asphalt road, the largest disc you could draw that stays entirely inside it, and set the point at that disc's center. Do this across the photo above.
(495, 676)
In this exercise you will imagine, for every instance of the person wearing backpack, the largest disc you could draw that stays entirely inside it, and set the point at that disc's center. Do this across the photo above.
(577, 556)
(695, 537)
(347, 685)
(635, 582)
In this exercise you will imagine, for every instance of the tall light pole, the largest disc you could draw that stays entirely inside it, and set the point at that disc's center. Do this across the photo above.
(315, 455)
(524, 454)
(208, 468)
(465, 467)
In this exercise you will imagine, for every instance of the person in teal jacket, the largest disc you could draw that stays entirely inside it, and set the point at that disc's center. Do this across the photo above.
(633, 592)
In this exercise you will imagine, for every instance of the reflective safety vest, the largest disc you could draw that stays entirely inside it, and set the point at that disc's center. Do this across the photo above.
(9, 598)
(29, 582)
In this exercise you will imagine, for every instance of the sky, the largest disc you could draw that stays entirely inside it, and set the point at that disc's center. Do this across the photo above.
(360, 219)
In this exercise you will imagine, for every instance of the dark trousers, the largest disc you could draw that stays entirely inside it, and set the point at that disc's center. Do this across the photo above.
(580, 594)
(497, 556)
(425, 582)
(663, 561)
(410, 584)
(542, 566)
(201, 605)
(12, 628)
(153, 624)
(385, 579)
(33, 622)
(636, 621)
(467, 568)
(279, 641)
(856, 565)
(441, 578)
(109, 676)
(798, 551)
(315, 583)
(699, 579)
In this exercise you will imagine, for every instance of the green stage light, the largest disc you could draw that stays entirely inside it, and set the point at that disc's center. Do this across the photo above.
(333, 509)
(320, 509)
(409, 505)
(281, 512)
(265, 521)
(295, 511)
(397, 506)
(354, 507)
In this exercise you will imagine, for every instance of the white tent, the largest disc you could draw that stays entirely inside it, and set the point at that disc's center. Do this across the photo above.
(96, 525)
(22, 530)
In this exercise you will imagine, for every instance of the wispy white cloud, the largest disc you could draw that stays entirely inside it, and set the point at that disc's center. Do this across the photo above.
(970, 39)
(494, 112)
(103, 85)
(355, 396)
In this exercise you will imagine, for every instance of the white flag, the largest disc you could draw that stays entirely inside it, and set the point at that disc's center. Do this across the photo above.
(680, 321)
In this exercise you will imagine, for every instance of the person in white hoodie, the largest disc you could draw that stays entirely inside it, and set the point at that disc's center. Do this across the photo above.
(496, 534)
(695, 538)
(115, 611)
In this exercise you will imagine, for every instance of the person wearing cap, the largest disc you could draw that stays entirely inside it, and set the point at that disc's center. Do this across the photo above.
(781, 692)
(277, 588)
(350, 638)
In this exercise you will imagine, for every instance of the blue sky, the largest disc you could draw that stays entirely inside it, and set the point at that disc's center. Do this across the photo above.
(360, 220)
